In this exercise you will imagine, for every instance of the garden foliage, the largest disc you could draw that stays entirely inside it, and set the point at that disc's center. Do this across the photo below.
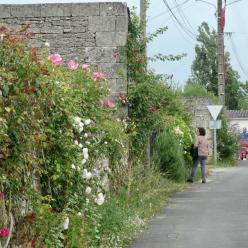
(60, 146)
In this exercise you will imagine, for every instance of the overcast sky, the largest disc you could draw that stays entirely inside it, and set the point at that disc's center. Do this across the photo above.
(177, 41)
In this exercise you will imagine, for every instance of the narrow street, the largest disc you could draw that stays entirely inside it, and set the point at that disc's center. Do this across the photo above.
(211, 215)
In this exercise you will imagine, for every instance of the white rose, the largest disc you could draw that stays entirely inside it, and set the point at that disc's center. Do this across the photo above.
(47, 44)
(80, 145)
(86, 156)
(88, 190)
(99, 199)
(73, 166)
(77, 120)
(87, 174)
(76, 142)
(66, 223)
(87, 122)
(83, 161)
(80, 124)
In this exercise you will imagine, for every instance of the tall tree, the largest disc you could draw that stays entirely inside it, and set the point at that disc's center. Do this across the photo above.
(243, 100)
(205, 69)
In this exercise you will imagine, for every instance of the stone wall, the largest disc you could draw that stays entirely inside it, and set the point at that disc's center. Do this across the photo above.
(201, 116)
(90, 32)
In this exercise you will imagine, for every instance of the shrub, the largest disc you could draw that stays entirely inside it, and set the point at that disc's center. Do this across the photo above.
(168, 156)
(227, 140)
(58, 131)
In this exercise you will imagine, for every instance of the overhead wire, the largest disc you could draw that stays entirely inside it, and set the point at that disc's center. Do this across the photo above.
(235, 51)
(183, 17)
(184, 29)
(165, 12)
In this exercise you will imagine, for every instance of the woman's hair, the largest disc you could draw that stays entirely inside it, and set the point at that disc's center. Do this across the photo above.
(202, 131)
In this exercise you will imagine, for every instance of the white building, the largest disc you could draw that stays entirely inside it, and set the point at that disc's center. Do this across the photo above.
(238, 119)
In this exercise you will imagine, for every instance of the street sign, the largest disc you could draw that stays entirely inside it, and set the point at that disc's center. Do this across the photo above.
(215, 124)
(214, 110)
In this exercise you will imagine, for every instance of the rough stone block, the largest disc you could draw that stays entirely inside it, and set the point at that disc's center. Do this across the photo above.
(48, 10)
(121, 24)
(112, 70)
(26, 10)
(100, 54)
(111, 39)
(102, 23)
(117, 85)
(79, 29)
(121, 85)
(52, 30)
(85, 9)
(113, 9)
(5, 11)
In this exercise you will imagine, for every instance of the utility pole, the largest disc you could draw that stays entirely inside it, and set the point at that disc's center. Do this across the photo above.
(143, 20)
(221, 54)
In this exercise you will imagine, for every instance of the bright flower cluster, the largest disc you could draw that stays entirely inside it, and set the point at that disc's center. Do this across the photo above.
(4, 232)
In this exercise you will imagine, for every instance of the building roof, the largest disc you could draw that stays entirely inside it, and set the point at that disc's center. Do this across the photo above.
(233, 114)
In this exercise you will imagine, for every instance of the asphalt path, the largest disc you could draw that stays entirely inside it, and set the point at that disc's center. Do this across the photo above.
(211, 215)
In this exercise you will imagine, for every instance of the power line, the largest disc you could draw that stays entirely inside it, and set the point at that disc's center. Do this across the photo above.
(165, 12)
(235, 51)
(234, 2)
(184, 29)
(184, 18)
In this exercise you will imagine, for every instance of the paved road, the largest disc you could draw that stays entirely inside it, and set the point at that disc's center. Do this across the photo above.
(211, 215)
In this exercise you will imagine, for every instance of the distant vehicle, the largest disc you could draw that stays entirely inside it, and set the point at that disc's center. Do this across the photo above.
(243, 154)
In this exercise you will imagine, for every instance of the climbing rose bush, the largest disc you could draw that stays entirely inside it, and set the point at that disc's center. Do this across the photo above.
(59, 145)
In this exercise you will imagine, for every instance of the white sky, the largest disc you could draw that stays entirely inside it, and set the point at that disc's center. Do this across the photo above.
(175, 41)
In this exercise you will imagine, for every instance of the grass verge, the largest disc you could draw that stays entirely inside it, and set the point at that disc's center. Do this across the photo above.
(127, 213)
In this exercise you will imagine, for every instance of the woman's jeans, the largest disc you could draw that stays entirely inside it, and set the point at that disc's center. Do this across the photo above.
(202, 160)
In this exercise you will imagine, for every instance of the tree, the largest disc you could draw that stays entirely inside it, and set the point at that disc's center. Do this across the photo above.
(243, 101)
(205, 67)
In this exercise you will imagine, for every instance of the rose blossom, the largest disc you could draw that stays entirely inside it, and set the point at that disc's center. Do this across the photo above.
(87, 174)
(94, 222)
(107, 103)
(72, 64)
(98, 76)
(117, 55)
(4, 232)
(55, 59)
(87, 122)
(85, 67)
(88, 190)
(99, 199)
(66, 223)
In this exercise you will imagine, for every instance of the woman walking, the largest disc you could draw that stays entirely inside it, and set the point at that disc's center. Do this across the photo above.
(201, 143)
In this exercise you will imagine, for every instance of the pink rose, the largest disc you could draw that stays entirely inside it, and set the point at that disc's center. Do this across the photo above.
(85, 67)
(107, 103)
(94, 222)
(72, 64)
(117, 56)
(56, 59)
(4, 232)
(98, 76)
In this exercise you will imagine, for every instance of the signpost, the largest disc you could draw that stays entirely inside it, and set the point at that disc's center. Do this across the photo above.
(215, 124)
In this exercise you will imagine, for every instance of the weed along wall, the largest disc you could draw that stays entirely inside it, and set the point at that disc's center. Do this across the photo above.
(201, 115)
(90, 32)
